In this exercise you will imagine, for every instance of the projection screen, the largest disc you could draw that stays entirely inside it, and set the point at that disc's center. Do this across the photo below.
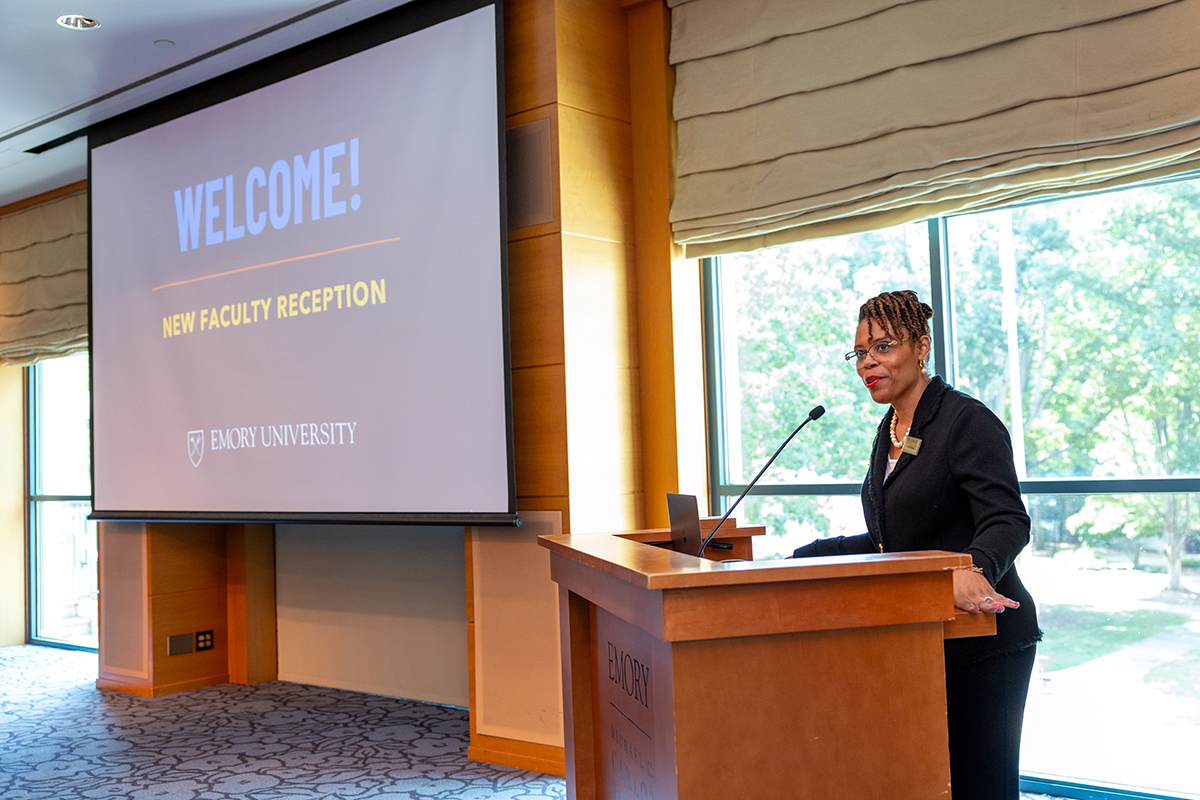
(298, 287)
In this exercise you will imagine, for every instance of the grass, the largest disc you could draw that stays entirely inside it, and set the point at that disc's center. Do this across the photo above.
(1075, 634)
(1156, 563)
(1180, 677)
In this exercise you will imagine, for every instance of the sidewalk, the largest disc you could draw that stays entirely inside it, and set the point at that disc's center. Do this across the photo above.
(1101, 721)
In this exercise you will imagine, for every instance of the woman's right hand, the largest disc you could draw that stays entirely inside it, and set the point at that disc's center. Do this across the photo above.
(973, 593)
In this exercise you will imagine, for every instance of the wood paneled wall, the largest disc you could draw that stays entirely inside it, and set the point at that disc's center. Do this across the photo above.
(165, 579)
(572, 281)
(605, 315)
(250, 603)
(606, 319)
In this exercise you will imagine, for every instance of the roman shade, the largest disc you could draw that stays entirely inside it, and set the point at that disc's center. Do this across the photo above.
(43, 281)
(826, 117)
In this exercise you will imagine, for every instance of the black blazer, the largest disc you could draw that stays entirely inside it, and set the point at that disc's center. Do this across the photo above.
(959, 493)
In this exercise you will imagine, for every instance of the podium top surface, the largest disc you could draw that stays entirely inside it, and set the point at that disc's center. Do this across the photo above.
(656, 568)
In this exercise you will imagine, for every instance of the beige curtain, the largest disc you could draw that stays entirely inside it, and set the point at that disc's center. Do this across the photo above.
(43, 281)
(805, 119)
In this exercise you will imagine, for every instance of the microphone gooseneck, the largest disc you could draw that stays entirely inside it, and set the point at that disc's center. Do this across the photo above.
(814, 414)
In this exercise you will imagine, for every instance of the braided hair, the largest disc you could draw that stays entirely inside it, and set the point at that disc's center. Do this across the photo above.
(901, 312)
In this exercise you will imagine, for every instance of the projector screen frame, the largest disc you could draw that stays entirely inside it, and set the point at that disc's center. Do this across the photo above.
(390, 25)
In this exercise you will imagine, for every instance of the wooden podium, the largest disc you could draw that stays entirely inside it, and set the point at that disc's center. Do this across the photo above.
(817, 678)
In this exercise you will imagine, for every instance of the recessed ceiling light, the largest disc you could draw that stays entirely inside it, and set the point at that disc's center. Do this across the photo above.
(77, 22)
(164, 43)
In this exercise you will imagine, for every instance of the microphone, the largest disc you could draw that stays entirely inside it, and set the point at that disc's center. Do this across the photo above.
(814, 414)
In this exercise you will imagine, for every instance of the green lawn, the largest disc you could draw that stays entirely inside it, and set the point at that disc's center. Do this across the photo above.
(1075, 634)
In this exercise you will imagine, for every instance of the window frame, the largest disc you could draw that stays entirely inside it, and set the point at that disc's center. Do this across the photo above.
(33, 502)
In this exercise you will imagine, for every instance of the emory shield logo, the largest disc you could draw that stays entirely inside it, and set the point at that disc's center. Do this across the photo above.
(196, 447)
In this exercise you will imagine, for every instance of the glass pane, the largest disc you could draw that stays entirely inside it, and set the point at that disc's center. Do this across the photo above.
(1078, 323)
(63, 436)
(795, 521)
(789, 315)
(65, 573)
(1115, 696)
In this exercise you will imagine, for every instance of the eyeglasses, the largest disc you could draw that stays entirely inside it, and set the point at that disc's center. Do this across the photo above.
(881, 349)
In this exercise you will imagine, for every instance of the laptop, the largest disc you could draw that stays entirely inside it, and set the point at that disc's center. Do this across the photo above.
(684, 514)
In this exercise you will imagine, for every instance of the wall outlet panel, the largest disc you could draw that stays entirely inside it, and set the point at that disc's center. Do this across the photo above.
(204, 640)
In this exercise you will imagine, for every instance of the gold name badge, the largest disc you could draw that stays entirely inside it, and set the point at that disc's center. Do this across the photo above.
(912, 445)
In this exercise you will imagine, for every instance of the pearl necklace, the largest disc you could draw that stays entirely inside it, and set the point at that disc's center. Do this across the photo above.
(898, 442)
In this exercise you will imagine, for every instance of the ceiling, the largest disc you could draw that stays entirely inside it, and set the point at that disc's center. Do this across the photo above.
(55, 82)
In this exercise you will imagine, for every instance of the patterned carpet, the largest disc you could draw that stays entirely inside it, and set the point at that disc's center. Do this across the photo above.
(61, 739)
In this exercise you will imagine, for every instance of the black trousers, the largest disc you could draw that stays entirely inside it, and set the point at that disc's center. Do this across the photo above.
(985, 704)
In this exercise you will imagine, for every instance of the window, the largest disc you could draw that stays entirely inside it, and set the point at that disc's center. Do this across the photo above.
(783, 316)
(62, 549)
(1078, 322)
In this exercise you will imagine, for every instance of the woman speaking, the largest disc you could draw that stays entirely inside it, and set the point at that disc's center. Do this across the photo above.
(941, 477)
